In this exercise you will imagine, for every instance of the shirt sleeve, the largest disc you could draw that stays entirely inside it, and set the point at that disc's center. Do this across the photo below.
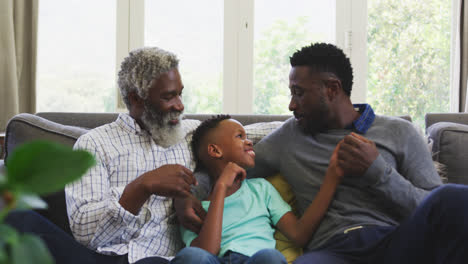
(201, 191)
(267, 152)
(275, 204)
(415, 176)
(95, 214)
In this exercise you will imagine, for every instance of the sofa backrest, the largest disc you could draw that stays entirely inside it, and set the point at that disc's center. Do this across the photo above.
(432, 118)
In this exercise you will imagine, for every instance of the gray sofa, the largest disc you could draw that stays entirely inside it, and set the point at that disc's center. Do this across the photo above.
(449, 139)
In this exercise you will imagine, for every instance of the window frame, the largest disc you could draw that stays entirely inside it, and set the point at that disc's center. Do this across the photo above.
(238, 90)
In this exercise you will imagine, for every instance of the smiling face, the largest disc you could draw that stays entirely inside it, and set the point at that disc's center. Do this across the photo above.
(164, 97)
(163, 107)
(309, 101)
(233, 144)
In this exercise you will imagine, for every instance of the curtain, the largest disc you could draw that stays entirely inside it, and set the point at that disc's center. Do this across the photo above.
(18, 50)
(463, 34)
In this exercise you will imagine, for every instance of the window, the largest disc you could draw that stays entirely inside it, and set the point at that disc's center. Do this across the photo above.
(282, 27)
(195, 34)
(409, 57)
(76, 56)
(234, 54)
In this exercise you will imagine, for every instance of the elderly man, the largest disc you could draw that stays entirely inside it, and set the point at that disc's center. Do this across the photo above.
(123, 205)
(121, 210)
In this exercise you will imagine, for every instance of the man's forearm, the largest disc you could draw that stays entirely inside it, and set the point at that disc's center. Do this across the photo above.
(134, 196)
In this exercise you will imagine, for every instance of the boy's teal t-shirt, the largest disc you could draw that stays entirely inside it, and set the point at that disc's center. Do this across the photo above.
(248, 218)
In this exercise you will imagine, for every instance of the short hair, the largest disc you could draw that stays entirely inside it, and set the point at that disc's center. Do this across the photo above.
(142, 66)
(200, 133)
(323, 57)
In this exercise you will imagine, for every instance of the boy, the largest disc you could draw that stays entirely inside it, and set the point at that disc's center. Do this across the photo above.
(238, 225)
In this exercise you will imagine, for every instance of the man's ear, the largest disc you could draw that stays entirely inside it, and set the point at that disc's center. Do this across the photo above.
(333, 88)
(135, 99)
(215, 151)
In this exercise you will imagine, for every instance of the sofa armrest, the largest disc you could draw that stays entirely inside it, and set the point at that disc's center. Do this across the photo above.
(450, 141)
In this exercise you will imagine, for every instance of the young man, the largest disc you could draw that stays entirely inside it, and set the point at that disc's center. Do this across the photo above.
(241, 214)
(386, 209)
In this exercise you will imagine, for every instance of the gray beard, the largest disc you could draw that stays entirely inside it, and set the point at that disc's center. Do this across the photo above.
(157, 124)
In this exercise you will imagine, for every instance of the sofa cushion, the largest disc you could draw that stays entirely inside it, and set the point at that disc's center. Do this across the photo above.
(450, 141)
(283, 244)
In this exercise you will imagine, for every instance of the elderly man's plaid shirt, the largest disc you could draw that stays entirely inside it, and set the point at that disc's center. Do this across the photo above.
(123, 152)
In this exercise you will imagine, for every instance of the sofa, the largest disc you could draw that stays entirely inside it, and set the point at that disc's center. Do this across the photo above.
(448, 134)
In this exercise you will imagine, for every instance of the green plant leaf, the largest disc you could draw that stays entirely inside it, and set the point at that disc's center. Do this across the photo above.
(3, 254)
(8, 235)
(30, 201)
(43, 167)
(2, 179)
(30, 249)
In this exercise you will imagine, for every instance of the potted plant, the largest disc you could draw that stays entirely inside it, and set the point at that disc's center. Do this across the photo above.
(34, 169)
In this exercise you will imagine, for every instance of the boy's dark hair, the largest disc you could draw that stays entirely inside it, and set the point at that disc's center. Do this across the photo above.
(200, 133)
(323, 57)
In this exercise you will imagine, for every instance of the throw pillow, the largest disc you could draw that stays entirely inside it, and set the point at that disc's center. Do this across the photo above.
(283, 244)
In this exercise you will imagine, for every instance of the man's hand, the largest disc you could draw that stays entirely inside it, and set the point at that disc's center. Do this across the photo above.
(169, 180)
(356, 154)
(190, 213)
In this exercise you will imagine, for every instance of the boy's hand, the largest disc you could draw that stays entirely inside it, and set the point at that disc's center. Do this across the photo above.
(231, 173)
(334, 170)
(356, 154)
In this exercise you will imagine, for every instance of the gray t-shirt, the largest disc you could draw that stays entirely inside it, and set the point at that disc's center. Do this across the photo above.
(392, 187)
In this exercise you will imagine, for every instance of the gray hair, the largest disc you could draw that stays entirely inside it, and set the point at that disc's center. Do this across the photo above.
(142, 66)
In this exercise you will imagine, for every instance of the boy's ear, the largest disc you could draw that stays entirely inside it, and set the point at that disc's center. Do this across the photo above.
(215, 151)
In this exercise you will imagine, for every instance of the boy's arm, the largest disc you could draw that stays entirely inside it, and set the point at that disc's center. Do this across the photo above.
(209, 237)
(301, 230)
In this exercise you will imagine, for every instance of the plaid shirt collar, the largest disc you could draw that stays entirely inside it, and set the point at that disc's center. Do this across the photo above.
(365, 120)
(126, 122)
